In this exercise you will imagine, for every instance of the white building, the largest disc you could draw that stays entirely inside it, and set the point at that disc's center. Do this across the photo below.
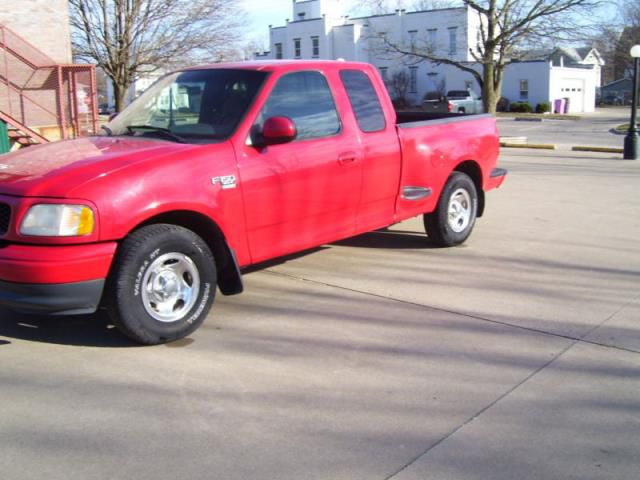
(320, 30)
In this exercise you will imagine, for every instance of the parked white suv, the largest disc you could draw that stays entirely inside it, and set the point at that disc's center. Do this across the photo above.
(464, 101)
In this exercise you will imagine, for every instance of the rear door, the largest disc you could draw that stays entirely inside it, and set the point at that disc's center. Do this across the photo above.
(381, 158)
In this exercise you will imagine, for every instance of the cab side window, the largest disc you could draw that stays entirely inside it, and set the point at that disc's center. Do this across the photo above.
(305, 98)
(364, 100)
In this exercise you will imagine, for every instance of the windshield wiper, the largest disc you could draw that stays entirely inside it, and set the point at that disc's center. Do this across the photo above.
(163, 131)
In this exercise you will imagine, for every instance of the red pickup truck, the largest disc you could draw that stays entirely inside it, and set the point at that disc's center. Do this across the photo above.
(219, 167)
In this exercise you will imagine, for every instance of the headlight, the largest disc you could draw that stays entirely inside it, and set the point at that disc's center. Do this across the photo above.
(55, 220)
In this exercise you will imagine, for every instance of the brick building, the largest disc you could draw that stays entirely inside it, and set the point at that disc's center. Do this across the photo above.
(43, 96)
(43, 23)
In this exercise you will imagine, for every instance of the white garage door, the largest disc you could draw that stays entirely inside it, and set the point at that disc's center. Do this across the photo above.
(573, 89)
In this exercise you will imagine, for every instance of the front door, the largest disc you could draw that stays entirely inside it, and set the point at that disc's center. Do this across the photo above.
(306, 192)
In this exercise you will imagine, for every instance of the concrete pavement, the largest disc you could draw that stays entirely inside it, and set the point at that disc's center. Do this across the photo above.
(592, 129)
(514, 356)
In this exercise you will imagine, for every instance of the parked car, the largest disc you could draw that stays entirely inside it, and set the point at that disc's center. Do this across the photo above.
(612, 100)
(465, 101)
(189, 185)
(436, 102)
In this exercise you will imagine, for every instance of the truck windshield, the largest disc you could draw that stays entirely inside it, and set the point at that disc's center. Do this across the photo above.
(194, 106)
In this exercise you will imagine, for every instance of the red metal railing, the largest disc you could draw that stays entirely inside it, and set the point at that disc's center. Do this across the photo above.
(51, 100)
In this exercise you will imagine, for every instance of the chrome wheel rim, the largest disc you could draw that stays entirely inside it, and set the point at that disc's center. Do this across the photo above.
(170, 287)
(459, 211)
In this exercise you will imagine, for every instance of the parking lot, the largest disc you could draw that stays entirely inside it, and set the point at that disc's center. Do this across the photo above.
(592, 129)
(514, 356)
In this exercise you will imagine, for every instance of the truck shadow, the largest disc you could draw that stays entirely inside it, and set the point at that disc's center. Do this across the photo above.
(96, 331)
(391, 239)
(82, 330)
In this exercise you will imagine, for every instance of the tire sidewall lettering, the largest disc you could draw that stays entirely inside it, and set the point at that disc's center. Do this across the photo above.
(139, 277)
(202, 304)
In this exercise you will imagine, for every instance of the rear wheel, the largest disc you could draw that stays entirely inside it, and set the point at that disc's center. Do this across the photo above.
(455, 215)
(162, 285)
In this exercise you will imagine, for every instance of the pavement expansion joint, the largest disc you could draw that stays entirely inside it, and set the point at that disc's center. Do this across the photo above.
(484, 409)
(581, 338)
(573, 341)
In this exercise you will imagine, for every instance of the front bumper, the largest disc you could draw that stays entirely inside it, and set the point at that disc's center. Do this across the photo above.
(52, 299)
(57, 280)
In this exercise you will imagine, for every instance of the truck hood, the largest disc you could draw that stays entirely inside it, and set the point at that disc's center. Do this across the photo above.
(55, 169)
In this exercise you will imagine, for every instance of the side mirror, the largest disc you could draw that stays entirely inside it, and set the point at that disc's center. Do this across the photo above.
(278, 130)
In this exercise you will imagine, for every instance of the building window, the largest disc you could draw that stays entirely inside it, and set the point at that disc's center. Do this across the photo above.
(296, 48)
(384, 73)
(412, 40)
(278, 48)
(432, 34)
(453, 40)
(315, 47)
(413, 79)
(524, 89)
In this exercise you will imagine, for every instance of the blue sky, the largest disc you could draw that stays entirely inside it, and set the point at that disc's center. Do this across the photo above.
(263, 13)
(270, 12)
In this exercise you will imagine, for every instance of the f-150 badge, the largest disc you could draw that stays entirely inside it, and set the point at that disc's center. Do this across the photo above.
(226, 181)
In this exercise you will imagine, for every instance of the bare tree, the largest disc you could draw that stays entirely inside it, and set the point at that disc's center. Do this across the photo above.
(398, 86)
(377, 7)
(606, 42)
(629, 36)
(614, 39)
(433, 4)
(507, 28)
(127, 38)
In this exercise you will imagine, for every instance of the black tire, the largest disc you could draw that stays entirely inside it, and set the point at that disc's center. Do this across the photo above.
(462, 110)
(162, 284)
(460, 199)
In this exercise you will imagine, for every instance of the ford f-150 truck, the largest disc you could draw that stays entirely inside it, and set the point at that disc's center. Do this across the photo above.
(218, 167)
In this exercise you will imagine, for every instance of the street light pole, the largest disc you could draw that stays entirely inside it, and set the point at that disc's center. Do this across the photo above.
(631, 139)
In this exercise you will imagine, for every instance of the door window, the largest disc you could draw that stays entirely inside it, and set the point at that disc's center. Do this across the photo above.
(305, 98)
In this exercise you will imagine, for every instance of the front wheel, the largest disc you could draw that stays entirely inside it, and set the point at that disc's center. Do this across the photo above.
(455, 215)
(163, 284)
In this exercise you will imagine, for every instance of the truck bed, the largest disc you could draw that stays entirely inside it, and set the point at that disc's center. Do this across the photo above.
(407, 119)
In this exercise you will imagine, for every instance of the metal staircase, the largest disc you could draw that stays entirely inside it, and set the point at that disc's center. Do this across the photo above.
(40, 100)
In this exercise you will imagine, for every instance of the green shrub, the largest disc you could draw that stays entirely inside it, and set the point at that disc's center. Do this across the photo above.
(543, 107)
(503, 105)
(521, 107)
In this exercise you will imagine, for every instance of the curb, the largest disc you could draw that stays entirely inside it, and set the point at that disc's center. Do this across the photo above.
(597, 149)
(535, 146)
(518, 140)
(524, 119)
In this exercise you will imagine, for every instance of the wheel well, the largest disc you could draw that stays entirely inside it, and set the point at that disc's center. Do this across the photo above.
(229, 276)
(472, 169)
